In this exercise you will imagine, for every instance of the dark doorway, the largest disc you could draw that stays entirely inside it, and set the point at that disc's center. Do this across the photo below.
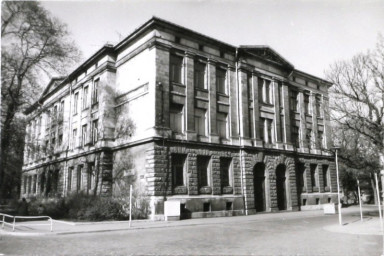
(259, 186)
(281, 187)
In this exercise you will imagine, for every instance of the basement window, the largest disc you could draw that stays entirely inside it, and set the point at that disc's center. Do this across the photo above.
(207, 207)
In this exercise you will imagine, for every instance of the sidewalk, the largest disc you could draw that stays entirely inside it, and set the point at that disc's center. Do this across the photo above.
(369, 226)
(352, 223)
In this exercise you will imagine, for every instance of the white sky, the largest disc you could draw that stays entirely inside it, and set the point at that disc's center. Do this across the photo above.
(309, 34)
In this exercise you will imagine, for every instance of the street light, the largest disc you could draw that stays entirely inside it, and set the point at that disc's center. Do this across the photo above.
(338, 184)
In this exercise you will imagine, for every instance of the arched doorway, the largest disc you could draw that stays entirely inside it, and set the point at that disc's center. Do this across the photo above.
(259, 186)
(281, 189)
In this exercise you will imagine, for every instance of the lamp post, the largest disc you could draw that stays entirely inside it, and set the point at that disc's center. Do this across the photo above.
(338, 185)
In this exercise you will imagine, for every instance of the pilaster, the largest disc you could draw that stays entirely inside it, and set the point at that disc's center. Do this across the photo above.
(213, 137)
(190, 96)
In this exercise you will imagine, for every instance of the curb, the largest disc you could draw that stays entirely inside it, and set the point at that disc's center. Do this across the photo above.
(162, 224)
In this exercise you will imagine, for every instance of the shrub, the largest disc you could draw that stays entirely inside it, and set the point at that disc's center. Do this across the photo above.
(88, 207)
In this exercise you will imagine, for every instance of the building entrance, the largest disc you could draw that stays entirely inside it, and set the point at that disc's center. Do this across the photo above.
(259, 186)
(281, 187)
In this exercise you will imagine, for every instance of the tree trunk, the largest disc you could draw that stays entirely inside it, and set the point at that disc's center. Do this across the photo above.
(373, 185)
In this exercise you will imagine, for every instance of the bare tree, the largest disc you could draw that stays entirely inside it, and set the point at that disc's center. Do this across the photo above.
(357, 103)
(35, 46)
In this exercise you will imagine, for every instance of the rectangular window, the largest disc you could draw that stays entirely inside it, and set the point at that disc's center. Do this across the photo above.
(176, 117)
(48, 119)
(83, 135)
(199, 75)
(260, 85)
(95, 131)
(221, 80)
(320, 138)
(203, 170)
(309, 138)
(79, 178)
(267, 92)
(280, 93)
(270, 130)
(262, 129)
(250, 124)
(55, 114)
(201, 126)
(61, 111)
(60, 141)
(178, 167)
(69, 181)
(74, 138)
(53, 141)
(293, 101)
(75, 102)
(295, 136)
(34, 184)
(326, 176)
(249, 87)
(176, 69)
(25, 184)
(314, 175)
(95, 92)
(222, 125)
(85, 97)
(225, 172)
(307, 106)
(318, 106)
(29, 184)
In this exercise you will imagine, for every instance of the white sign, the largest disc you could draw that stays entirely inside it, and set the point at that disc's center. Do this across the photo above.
(172, 209)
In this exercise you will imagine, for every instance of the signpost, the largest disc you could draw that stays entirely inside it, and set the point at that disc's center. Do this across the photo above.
(358, 191)
(338, 186)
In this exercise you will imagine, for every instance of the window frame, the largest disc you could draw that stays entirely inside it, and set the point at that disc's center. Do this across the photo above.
(176, 64)
(221, 81)
(178, 165)
(203, 167)
(176, 118)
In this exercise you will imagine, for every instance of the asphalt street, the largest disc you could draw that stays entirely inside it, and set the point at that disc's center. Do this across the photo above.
(239, 236)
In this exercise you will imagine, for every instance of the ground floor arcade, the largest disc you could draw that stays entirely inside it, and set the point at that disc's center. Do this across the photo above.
(207, 180)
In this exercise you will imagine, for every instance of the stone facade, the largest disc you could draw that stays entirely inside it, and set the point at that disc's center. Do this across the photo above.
(225, 130)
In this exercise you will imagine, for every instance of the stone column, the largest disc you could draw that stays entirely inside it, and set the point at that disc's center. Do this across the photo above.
(213, 137)
(327, 127)
(232, 89)
(287, 118)
(190, 96)
(303, 124)
(278, 124)
(314, 120)
(244, 107)
(163, 87)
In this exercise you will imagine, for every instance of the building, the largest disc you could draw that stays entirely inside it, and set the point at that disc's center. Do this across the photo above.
(225, 130)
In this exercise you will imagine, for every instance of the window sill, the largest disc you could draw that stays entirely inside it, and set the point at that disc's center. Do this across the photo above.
(223, 94)
(201, 89)
(266, 104)
(205, 190)
(315, 189)
(180, 190)
(227, 190)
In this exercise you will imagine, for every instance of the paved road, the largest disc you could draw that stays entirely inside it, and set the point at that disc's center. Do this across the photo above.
(242, 236)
